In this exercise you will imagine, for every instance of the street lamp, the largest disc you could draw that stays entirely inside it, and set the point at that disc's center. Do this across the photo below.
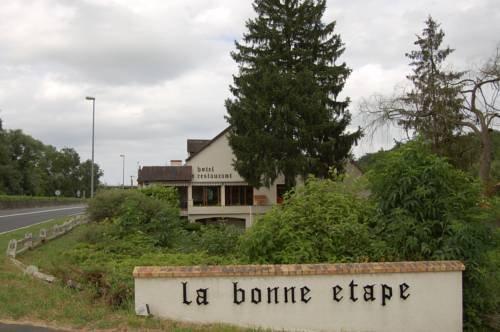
(123, 171)
(92, 165)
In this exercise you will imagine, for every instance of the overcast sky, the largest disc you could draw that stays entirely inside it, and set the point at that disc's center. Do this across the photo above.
(160, 69)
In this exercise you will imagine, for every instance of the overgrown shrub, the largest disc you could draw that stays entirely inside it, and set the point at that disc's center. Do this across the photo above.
(98, 233)
(106, 204)
(219, 239)
(319, 222)
(141, 213)
(428, 210)
(152, 211)
(104, 262)
(422, 183)
(136, 213)
(141, 227)
(168, 195)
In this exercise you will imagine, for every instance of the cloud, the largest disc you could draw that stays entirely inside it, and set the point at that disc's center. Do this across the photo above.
(160, 70)
(105, 43)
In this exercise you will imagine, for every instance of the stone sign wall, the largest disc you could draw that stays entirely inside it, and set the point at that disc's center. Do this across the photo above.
(405, 296)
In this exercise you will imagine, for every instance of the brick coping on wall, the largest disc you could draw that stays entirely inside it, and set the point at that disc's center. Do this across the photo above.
(295, 269)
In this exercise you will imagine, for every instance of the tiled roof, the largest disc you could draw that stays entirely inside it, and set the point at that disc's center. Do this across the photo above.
(201, 146)
(196, 145)
(164, 173)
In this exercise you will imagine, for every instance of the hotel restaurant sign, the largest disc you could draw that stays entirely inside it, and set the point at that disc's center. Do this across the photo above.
(210, 173)
(404, 296)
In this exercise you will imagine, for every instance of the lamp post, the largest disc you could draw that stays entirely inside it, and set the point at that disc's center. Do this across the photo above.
(92, 165)
(123, 171)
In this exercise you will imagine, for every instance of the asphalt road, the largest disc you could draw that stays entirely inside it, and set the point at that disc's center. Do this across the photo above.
(12, 219)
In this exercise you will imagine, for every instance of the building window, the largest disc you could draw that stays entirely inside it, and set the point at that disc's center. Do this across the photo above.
(183, 197)
(239, 195)
(206, 195)
(280, 192)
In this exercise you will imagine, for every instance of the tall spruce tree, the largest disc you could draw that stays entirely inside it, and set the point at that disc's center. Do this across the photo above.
(285, 115)
(434, 101)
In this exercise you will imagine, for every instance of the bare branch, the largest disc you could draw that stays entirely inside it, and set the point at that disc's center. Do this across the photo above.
(490, 120)
(462, 82)
(471, 126)
(488, 81)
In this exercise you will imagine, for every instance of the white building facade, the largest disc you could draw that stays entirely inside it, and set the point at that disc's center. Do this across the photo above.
(218, 191)
(211, 189)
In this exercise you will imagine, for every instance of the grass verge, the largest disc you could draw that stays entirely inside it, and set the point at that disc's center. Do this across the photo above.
(17, 202)
(25, 299)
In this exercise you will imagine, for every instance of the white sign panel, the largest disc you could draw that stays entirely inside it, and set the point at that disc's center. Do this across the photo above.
(406, 296)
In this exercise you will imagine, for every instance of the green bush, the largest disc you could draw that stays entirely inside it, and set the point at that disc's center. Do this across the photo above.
(168, 195)
(13, 201)
(154, 212)
(426, 186)
(141, 227)
(428, 210)
(97, 233)
(219, 239)
(492, 210)
(104, 262)
(425, 206)
(141, 213)
(106, 204)
(321, 221)
(136, 213)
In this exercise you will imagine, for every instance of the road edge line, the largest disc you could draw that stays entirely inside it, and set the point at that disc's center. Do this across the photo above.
(24, 227)
(38, 212)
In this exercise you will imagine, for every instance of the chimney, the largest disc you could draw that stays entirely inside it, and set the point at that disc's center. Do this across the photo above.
(175, 162)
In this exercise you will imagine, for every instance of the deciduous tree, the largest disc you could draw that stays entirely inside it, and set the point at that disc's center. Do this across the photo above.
(481, 107)
(29, 167)
(84, 176)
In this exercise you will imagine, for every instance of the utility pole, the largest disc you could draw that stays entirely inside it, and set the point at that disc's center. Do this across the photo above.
(123, 171)
(92, 165)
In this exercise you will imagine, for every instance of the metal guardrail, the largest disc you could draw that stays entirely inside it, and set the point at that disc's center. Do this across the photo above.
(30, 241)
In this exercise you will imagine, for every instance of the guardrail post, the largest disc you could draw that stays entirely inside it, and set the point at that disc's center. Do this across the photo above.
(55, 230)
(29, 240)
(12, 248)
(43, 235)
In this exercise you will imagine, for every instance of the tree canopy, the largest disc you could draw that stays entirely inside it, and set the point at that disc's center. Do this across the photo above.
(432, 105)
(443, 104)
(29, 167)
(286, 116)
